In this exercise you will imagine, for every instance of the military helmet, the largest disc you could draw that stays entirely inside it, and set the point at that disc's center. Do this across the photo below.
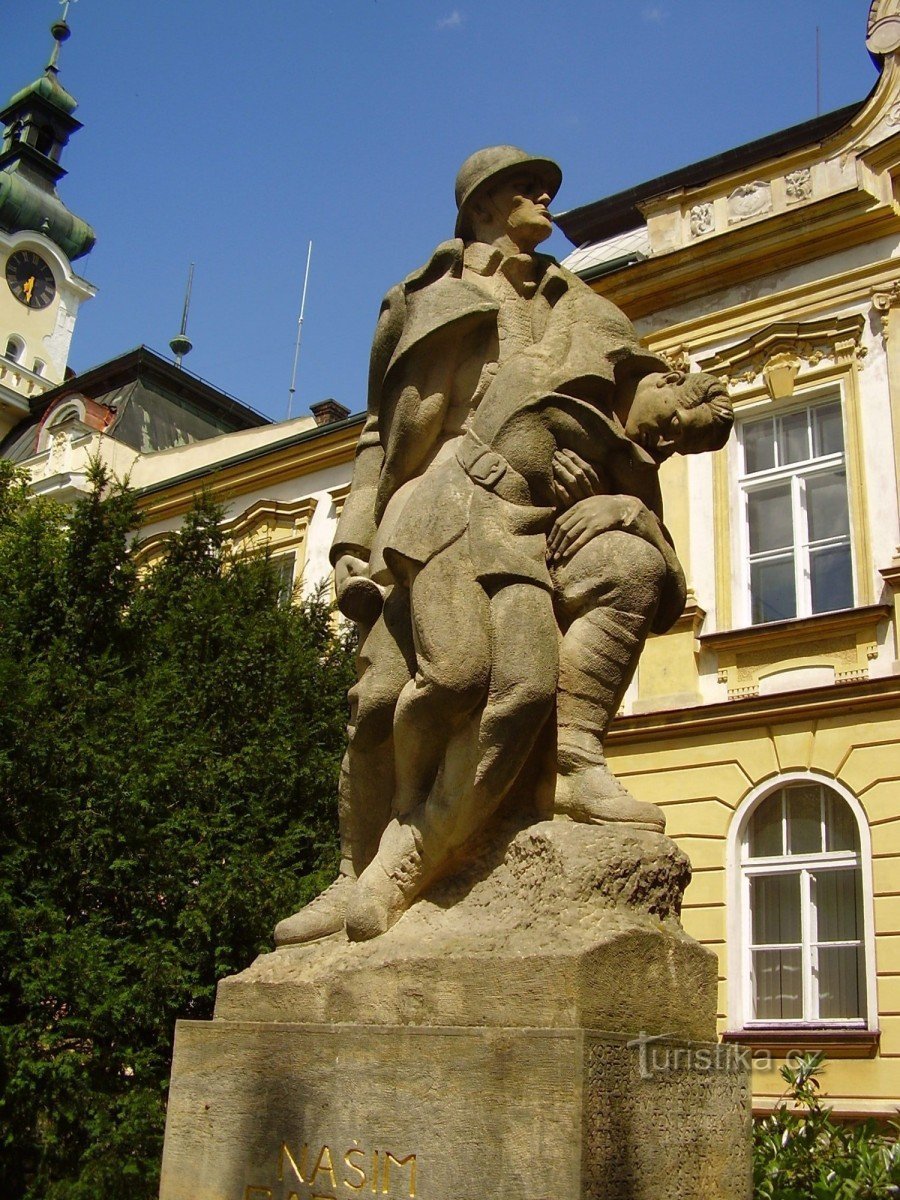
(489, 166)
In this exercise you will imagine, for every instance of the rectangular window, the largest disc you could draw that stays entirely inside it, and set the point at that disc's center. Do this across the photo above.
(282, 567)
(796, 516)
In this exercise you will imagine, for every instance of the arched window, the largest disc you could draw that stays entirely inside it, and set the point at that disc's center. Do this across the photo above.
(803, 884)
(39, 367)
(15, 348)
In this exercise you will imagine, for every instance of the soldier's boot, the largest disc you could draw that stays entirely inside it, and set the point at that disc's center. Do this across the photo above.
(598, 658)
(388, 885)
(320, 918)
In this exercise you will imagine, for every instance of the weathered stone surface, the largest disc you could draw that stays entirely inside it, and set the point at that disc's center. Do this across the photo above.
(564, 925)
(293, 1112)
(502, 549)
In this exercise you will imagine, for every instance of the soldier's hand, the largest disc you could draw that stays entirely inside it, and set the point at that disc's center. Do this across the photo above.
(590, 517)
(573, 478)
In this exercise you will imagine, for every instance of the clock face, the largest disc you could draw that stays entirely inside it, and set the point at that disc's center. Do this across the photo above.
(30, 279)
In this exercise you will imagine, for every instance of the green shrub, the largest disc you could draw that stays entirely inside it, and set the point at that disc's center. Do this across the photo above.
(169, 749)
(801, 1153)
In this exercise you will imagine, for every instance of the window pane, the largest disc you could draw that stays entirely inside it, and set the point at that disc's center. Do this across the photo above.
(831, 579)
(282, 567)
(804, 810)
(765, 829)
(828, 429)
(759, 446)
(769, 518)
(793, 442)
(841, 982)
(826, 505)
(773, 590)
(775, 909)
(840, 824)
(777, 985)
(838, 902)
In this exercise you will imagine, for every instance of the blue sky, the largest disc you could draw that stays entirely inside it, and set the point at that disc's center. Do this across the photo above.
(231, 133)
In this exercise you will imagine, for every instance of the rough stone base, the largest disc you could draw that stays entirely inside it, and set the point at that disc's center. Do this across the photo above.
(293, 1112)
(457, 1057)
(557, 926)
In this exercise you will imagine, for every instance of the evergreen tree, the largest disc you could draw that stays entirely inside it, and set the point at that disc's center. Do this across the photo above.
(169, 747)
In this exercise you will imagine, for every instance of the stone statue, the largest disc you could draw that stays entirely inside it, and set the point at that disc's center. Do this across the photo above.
(501, 550)
(502, 897)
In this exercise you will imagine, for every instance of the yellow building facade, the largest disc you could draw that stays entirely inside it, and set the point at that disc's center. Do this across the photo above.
(766, 722)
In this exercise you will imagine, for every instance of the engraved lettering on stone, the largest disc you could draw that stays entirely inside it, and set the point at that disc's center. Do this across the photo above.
(324, 1157)
(352, 1166)
(798, 184)
(749, 200)
(702, 219)
(354, 1160)
(399, 1162)
(285, 1154)
(657, 1082)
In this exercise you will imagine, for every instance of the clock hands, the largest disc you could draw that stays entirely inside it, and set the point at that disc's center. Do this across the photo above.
(28, 288)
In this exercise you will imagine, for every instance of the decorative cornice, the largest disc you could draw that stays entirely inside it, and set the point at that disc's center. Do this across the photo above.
(709, 266)
(267, 467)
(791, 633)
(717, 325)
(782, 349)
(846, 699)
(244, 527)
(296, 513)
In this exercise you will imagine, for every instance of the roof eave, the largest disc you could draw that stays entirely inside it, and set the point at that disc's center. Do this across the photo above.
(620, 212)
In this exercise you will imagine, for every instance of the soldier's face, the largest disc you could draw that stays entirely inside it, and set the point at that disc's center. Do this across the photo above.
(658, 423)
(522, 204)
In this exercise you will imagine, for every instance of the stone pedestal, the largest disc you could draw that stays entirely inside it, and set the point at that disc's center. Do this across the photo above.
(539, 1029)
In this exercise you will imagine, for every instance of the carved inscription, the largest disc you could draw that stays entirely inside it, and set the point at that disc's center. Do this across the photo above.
(673, 1122)
(306, 1173)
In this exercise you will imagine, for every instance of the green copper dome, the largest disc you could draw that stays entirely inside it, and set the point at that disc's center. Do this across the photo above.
(25, 205)
(48, 86)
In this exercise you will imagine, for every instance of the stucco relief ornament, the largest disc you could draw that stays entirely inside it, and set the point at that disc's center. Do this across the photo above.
(884, 300)
(59, 442)
(702, 219)
(749, 200)
(678, 358)
(798, 185)
(883, 32)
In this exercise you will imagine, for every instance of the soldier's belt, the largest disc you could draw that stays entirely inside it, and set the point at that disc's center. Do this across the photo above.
(489, 469)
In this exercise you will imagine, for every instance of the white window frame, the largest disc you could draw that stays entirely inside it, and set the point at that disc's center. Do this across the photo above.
(71, 412)
(796, 474)
(738, 923)
(279, 560)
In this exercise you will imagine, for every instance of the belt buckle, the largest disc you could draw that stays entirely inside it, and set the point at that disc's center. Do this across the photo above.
(488, 468)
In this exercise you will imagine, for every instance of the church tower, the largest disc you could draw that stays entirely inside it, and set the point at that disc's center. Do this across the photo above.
(40, 238)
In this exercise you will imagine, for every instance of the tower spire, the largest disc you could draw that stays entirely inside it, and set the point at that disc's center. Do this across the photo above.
(61, 33)
(37, 124)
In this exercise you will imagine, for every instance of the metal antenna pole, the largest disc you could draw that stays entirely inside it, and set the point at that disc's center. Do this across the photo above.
(818, 76)
(182, 344)
(299, 334)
